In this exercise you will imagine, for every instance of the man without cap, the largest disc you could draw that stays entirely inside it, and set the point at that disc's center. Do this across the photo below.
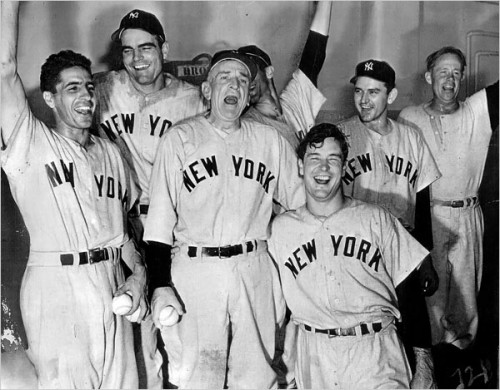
(294, 112)
(73, 190)
(392, 166)
(136, 106)
(340, 260)
(212, 190)
(458, 134)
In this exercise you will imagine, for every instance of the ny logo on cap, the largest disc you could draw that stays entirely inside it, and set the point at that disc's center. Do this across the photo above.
(133, 15)
(369, 66)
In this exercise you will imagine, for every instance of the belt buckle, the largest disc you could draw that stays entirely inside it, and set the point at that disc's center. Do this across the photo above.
(333, 333)
(220, 249)
(457, 203)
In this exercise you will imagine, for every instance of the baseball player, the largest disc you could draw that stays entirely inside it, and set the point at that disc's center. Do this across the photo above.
(136, 106)
(292, 113)
(392, 166)
(212, 188)
(340, 260)
(73, 191)
(458, 134)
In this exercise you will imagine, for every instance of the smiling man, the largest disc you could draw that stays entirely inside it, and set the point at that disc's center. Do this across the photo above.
(73, 191)
(340, 260)
(136, 106)
(392, 166)
(458, 134)
(212, 190)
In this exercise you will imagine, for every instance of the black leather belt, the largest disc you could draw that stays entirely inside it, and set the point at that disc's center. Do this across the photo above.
(222, 251)
(456, 203)
(143, 208)
(90, 257)
(376, 326)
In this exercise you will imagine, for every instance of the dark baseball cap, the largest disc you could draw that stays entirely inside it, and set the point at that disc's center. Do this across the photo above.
(378, 70)
(234, 55)
(141, 20)
(256, 54)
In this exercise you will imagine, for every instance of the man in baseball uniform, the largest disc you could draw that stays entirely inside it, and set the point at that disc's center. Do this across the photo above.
(135, 107)
(73, 191)
(212, 190)
(340, 260)
(392, 166)
(292, 113)
(458, 134)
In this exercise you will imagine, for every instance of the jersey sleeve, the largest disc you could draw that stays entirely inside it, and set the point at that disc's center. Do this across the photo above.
(289, 193)
(301, 102)
(16, 156)
(402, 253)
(164, 187)
(478, 104)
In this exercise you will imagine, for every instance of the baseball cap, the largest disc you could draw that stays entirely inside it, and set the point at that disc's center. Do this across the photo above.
(142, 20)
(256, 54)
(378, 70)
(234, 55)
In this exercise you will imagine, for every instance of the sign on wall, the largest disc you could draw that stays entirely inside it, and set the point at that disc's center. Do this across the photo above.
(193, 71)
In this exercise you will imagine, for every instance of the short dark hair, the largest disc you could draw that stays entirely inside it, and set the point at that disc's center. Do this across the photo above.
(433, 57)
(56, 63)
(317, 135)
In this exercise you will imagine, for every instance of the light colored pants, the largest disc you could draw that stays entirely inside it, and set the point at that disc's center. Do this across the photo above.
(458, 260)
(372, 361)
(75, 341)
(226, 337)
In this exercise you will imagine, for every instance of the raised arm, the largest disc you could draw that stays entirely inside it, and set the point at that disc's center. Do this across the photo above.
(13, 96)
(314, 53)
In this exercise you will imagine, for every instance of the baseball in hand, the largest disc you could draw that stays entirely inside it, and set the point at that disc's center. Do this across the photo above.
(168, 316)
(134, 316)
(122, 304)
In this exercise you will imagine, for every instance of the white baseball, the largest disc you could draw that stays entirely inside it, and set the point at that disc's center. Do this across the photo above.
(168, 316)
(122, 304)
(134, 316)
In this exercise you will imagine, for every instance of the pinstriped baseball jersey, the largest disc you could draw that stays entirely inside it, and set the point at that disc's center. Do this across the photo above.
(387, 170)
(213, 188)
(72, 199)
(135, 121)
(343, 271)
(301, 102)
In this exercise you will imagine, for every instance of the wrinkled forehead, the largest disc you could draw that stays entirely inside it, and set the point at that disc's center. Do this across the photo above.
(132, 36)
(366, 82)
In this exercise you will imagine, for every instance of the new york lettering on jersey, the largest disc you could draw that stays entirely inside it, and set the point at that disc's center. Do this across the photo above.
(244, 167)
(62, 172)
(125, 123)
(343, 246)
(363, 164)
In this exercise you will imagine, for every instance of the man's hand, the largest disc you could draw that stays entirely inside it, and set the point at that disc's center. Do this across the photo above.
(163, 297)
(428, 277)
(424, 370)
(135, 285)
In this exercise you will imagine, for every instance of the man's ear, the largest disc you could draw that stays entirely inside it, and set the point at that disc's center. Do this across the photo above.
(301, 167)
(164, 50)
(206, 90)
(428, 78)
(392, 96)
(49, 99)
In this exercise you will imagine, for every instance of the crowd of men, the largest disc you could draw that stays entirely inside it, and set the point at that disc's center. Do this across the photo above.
(294, 253)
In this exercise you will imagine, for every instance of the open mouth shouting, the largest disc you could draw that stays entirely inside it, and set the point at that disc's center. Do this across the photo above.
(322, 179)
(84, 109)
(141, 67)
(231, 100)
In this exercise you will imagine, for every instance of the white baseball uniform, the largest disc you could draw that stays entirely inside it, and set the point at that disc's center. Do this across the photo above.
(72, 199)
(387, 170)
(341, 272)
(301, 102)
(459, 143)
(210, 188)
(135, 122)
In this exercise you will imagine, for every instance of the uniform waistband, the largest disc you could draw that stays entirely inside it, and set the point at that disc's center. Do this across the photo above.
(91, 256)
(361, 329)
(467, 202)
(227, 251)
